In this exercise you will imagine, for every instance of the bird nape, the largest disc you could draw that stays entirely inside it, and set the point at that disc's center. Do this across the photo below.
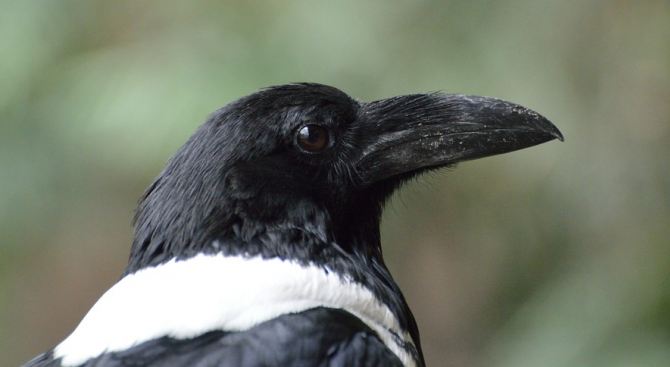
(259, 244)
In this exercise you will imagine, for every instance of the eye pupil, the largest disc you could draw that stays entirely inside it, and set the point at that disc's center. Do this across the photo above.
(313, 138)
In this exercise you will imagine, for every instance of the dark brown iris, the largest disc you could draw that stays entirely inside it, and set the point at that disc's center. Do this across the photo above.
(313, 138)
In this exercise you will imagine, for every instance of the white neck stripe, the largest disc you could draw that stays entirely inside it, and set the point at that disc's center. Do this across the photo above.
(215, 292)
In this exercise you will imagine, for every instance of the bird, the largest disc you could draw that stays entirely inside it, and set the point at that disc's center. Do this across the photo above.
(259, 243)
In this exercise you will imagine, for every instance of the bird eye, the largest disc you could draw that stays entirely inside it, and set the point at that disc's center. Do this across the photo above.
(313, 138)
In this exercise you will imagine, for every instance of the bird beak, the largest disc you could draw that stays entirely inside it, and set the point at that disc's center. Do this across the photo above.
(421, 131)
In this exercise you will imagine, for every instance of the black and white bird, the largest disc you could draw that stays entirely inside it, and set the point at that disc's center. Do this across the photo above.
(259, 243)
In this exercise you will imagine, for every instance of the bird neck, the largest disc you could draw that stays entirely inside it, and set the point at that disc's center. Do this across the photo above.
(247, 220)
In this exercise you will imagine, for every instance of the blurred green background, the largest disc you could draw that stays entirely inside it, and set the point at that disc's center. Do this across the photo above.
(558, 255)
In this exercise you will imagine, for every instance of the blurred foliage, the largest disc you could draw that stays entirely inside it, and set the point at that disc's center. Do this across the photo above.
(554, 256)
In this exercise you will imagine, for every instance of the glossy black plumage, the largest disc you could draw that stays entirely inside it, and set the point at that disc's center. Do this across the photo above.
(244, 186)
(326, 338)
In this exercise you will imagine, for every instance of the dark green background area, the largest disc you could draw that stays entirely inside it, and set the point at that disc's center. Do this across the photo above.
(558, 255)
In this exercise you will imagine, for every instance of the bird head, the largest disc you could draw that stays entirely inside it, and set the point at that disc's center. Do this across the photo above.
(293, 170)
